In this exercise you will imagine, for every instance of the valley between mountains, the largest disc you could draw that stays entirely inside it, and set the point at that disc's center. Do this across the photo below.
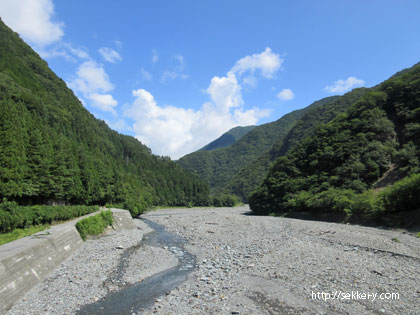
(245, 264)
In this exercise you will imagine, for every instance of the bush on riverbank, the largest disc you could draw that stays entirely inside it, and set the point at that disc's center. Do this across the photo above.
(13, 216)
(225, 200)
(94, 225)
(348, 205)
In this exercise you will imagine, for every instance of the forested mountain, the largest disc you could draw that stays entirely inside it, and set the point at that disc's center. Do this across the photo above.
(53, 150)
(228, 138)
(251, 176)
(334, 168)
(219, 166)
(241, 167)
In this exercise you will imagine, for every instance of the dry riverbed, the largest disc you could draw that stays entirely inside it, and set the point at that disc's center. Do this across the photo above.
(247, 265)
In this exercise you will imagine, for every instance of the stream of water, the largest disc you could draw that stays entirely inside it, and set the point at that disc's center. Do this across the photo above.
(133, 298)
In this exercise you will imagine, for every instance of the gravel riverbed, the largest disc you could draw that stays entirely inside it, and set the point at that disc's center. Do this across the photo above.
(245, 265)
(267, 265)
(98, 267)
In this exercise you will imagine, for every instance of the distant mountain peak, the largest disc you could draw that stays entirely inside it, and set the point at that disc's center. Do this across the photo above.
(228, 138)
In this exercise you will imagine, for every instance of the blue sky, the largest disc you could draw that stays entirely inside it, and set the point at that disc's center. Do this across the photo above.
(177, 74)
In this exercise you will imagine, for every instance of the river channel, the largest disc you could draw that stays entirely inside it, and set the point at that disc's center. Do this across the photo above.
(133, 298)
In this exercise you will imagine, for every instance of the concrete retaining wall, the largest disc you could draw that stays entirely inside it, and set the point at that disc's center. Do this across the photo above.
(27, 261)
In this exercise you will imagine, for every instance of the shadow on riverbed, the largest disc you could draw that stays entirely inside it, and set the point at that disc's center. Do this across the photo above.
(409, 220)
(136, 297)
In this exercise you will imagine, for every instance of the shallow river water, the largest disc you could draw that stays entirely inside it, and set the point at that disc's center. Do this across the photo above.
(134, 298)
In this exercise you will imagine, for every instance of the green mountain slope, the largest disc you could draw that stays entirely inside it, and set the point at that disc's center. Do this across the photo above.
(333, 169)
(322, 111)
(53, 150)
(228, 138)
(220, 166)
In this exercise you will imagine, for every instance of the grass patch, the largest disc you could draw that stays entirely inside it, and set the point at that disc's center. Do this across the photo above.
(94, 225)
(418, 234)
(19, 233)
(13, 216)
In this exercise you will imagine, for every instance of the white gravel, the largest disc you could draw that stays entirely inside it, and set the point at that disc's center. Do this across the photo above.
(245, 265)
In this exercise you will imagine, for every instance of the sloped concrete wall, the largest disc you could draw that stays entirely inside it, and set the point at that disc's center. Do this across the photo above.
(27, 261)
(122, 220)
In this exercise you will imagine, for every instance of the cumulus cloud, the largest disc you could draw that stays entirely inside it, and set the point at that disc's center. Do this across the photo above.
(110, 54)
(175, 131)
(93, 83)
(91, 77)
(286, 95)
(104, 102)
(33, 20)
(342, 86)
(267, 62)
(225, 92)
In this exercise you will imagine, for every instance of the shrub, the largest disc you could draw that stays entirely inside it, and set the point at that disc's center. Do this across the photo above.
(404, 195)
(13, 216)
(94, 225)
(365, 203)
(332, 200)
(225, 200)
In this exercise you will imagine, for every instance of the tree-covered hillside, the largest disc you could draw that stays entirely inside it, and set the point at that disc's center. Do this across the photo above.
(251, 176)
(53, 150)
(333, 169)
(228, 138)
(218, 166)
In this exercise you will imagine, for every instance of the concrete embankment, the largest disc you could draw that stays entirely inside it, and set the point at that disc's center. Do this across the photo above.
(27, 261)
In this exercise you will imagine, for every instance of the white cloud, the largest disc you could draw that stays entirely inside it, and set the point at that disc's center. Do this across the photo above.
(155, 56)
(286, 95)
(342, 86)
(267, 62)
(110, 54)
(145, 75)
(80, 52)
(93, 83)
(175, 131)
(225, 92)
(33, 20)
(91, 77)
(104, 102)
